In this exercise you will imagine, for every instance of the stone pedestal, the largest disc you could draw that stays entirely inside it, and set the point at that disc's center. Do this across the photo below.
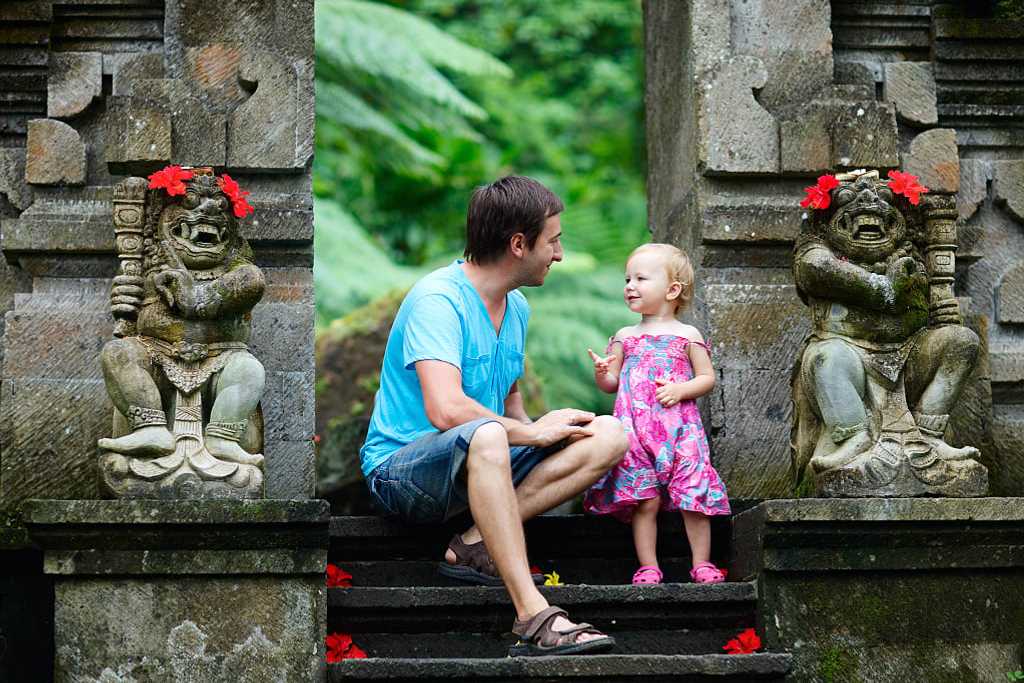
(888, 590)
(185, 591)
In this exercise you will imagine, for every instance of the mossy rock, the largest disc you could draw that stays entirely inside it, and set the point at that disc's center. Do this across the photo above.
(349, 353)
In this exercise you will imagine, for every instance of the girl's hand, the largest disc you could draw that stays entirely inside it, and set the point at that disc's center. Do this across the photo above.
(600, 364)
(668, 393)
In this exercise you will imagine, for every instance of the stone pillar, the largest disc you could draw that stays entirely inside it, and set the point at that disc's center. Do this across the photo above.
(747, 103)
(887, 590)
(192, 592)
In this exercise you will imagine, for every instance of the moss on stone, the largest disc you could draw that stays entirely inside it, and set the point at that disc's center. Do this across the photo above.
(838, 666)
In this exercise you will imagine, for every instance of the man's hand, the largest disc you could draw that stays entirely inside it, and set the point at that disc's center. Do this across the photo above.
(561, 424)
(668, 393)
(600, 364)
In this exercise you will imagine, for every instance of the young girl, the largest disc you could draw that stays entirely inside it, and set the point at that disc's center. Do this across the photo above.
(659, 366)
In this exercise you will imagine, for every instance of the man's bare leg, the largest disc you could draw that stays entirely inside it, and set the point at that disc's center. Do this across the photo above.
(495, 508)
(569, 472)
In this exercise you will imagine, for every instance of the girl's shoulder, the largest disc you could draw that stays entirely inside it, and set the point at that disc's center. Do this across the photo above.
(622, 334)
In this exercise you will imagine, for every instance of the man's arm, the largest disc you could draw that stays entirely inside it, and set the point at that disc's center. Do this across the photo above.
(447, 406)
(514, 407)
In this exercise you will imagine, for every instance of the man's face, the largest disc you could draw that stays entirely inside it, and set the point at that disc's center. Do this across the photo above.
(537, 261)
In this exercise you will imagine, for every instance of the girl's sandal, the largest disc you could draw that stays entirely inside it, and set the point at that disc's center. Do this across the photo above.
(537, 638)
(705, 572)
(647, 575)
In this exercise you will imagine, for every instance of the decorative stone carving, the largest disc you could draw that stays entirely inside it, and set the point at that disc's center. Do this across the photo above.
(888, 354)
(185, 387)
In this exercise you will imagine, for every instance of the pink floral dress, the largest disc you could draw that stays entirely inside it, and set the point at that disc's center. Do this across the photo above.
(668, 452)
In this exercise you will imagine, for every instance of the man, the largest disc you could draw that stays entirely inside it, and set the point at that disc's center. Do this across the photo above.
(449, 430)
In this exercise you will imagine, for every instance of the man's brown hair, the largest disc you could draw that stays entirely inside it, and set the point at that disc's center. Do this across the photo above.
(497, 211)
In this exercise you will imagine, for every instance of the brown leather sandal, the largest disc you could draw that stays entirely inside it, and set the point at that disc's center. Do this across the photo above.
(473, 564)
(537, 638)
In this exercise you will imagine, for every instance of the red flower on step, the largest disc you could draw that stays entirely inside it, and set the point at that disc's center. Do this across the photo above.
(170, 178)
(340, 646)
(338, 577)
(534, 569)
(818, 196)
(745, 643)
(906, 184)
(239, 204)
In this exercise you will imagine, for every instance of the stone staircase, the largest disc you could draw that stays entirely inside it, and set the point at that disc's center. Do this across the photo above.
(416, 625)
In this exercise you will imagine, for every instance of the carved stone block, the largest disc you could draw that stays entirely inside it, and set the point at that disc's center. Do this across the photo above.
(934, 158)
(737, 135)
(262, 130)
(911, 87)
(1011, 296)
(138, 135)
(1008, 186)
(55, 154)
(75, 79)
(864, 135)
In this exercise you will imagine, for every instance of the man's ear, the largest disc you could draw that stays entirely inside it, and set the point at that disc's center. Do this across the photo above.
(518, 244)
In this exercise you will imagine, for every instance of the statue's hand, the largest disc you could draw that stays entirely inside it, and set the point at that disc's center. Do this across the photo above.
(903, 270)
(909, 282)
(175, 286)
(945, 313)
(126, 296)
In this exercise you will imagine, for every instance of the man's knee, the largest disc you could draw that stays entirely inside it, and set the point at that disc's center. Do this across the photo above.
(489, 446)
(608, 429)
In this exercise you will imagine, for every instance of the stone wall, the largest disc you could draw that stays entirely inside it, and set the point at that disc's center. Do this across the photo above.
(747, 102)
(99, 90)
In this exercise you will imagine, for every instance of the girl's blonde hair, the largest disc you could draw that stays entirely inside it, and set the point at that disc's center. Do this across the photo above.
(677, 265)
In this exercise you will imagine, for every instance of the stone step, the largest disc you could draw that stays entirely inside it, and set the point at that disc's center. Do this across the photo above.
(590, 570)
(549, 538)
(477, 609)
(462, 644)
(617, 668)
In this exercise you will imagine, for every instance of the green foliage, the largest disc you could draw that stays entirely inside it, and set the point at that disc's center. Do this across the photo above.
(416, 107)
(349, 270)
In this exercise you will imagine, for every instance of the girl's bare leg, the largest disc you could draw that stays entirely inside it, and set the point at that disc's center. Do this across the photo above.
(698, 531)
(645, 531)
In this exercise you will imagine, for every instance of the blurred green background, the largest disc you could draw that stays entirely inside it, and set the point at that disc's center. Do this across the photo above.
(420, 101)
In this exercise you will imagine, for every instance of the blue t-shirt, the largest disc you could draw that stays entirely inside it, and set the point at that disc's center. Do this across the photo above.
(443, 318)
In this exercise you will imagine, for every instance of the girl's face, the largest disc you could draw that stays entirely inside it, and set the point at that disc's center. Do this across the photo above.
(648, 290)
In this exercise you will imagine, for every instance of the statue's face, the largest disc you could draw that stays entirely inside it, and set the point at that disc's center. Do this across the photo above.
(866, 226)
(200, 228)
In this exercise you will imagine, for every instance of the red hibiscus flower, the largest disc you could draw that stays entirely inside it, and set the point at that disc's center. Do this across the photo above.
(818, 196)
(338, 577)
(239, 204)
(170, 178)
(745, 643)
(906, 184)
(340, 646)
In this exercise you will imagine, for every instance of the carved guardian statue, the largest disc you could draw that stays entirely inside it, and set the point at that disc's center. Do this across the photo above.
(185, 388)
(888, 354)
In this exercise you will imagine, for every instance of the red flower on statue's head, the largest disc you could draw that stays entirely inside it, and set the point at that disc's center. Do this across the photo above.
(239, 205)
(170, 178)
(340, 646)
(745, 643)
(907, 185)
(818, 196)
(338, 577)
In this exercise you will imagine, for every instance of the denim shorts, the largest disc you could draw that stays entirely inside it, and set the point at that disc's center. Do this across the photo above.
(424, 482)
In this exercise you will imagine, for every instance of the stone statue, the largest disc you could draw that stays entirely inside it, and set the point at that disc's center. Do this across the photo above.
(888, 354)
(185, 387)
